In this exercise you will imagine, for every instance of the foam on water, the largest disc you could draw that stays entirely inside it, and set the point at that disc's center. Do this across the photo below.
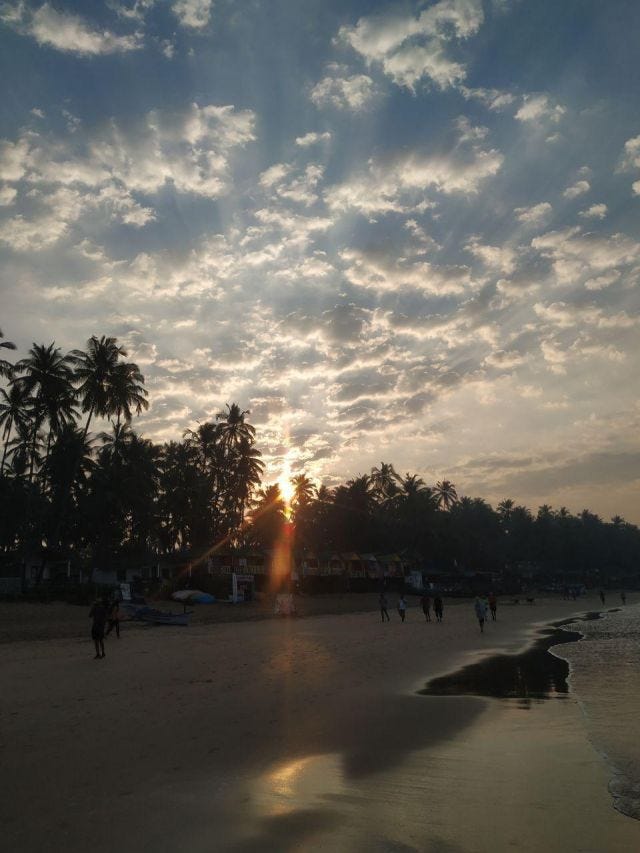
(604, 670)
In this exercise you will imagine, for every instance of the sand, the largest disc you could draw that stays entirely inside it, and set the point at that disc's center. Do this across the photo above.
(291, 735)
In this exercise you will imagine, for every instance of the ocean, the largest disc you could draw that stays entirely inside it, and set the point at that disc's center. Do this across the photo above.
(604, 678)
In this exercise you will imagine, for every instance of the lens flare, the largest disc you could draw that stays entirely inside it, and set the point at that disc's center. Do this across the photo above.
(286, 486)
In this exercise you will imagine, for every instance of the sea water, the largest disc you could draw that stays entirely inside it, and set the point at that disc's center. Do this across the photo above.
(605, 679)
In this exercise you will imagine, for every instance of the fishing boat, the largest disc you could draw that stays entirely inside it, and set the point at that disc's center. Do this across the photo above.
(162, 617)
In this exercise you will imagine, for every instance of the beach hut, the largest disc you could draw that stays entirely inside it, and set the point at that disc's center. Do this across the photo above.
(354, 565)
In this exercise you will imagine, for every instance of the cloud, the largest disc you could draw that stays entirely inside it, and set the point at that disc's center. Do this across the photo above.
(577, 189)
(498, 258)
(411, 48)
(400, 185)
(134, 10)
(7, 195)
(494, 99)
(14, 158)
(596, 211)
(194, 14)
(312, 139)
(382, 272)
(577, 256)
(540, 108)
(191, 150)
(631, 155)
(568, 316)
(67, 32)
(301, 187)
(631, 160)
(534, 215)
(342, 92)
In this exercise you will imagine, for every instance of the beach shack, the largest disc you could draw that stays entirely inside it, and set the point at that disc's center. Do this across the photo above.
(354, 565)
(372, 567)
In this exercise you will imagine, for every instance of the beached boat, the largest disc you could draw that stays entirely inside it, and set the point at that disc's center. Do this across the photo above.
(162, 617)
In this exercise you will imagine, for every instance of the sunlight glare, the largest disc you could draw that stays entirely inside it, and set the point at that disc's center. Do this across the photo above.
(286, 486)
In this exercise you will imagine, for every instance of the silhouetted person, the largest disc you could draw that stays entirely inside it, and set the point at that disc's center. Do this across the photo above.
(493, 606)
(602, 596)
(383, 607)
(402, 607)
(623, 596)
(426, 607)
(99, 615)
(114, 618)
(438, 608)
(481, 613)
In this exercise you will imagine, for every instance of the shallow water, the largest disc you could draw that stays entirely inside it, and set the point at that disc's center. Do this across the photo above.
(533, 675)
(604, 676)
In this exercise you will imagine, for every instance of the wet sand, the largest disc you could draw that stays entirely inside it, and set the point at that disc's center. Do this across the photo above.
(295, 735)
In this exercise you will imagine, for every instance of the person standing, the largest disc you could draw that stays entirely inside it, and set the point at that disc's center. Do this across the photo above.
(481, 613)
(493, 606)
(438, 608)
(602, 596)
(114, 618)
(383, 607)
(99, 615)
(402, 607)
(623, 597)
(426, 607)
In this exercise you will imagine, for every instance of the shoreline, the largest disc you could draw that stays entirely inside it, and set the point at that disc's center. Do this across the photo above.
(276, 731)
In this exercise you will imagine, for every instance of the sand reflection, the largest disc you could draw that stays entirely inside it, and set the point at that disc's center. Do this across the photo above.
(301, 783)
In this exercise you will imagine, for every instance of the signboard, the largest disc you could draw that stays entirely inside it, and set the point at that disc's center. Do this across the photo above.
(241, 587)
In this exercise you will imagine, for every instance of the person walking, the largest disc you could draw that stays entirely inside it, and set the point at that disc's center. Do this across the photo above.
(481, 613)
(99, 615)
(384, 613)
(438, 608)
(402, 607)
(493, 606)
(426, 607)
(602, 596)
(623, 597)
(114, 618)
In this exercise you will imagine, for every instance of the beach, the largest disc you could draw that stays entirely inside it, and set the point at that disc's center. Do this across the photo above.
(296, 734)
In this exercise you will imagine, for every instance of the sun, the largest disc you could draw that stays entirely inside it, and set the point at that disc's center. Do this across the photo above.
(286, 486)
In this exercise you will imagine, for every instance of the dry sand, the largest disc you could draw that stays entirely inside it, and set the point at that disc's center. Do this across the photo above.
(294, 735)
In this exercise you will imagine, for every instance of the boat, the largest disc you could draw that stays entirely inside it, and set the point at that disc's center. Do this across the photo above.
(162, 617)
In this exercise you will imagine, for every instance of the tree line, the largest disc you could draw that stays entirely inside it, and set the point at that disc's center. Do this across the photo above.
(114, 497)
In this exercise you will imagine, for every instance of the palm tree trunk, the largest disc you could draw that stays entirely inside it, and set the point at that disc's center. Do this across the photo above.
(86, 426)
(33, 452)
(46, 459)
(7, 434)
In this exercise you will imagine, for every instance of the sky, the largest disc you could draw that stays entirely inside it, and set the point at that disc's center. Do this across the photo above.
(393, 231)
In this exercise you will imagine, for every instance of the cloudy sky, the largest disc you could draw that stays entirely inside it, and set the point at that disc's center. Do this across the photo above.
(393, 231)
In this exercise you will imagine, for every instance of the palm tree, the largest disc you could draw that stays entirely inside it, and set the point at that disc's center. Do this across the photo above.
(446, 494)
(385, 481)
(48, 380)
(205, 440)
(126, 391)
(94, 370)
(505, 508)
(13, 413)
(6, 368)
(268, 516)
(303, 490)
(246, 476)
(233, 427)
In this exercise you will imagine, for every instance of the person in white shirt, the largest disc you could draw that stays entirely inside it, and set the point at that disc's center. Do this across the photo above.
(402, 607)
